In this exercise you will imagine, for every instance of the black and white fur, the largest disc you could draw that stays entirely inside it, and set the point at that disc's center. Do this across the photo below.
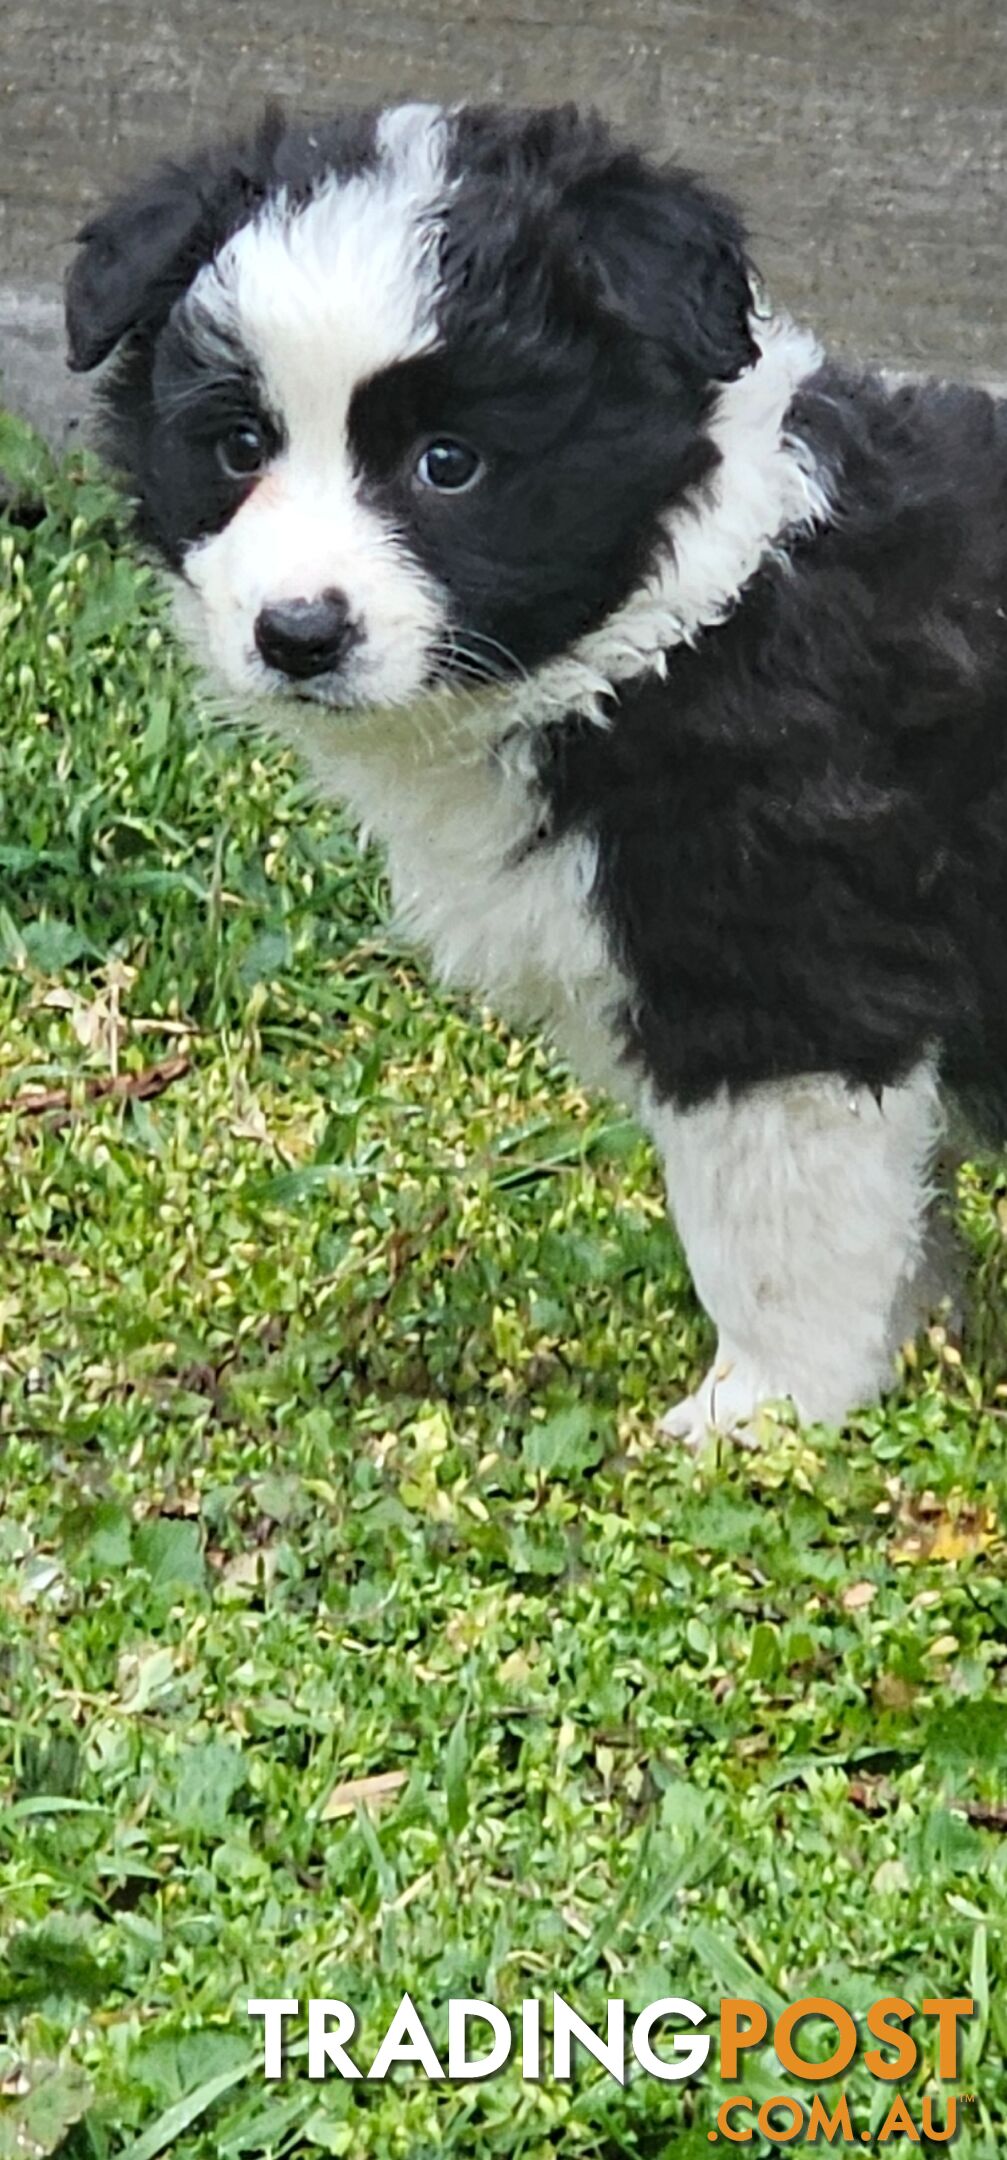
(683, 723)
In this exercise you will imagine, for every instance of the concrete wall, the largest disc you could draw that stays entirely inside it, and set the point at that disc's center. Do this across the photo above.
(866, 137)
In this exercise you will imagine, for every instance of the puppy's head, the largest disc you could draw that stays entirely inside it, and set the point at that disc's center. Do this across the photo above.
(406, 398)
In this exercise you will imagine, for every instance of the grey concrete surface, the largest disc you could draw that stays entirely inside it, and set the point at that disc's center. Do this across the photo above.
(866, 137)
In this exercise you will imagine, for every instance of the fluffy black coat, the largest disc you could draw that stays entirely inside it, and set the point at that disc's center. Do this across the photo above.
(831, 766)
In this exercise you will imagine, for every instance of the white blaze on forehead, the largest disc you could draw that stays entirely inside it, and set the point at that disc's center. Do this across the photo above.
(322, 295)
(326, 292)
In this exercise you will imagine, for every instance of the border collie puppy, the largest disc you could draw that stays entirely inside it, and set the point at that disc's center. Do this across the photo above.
(667, 659)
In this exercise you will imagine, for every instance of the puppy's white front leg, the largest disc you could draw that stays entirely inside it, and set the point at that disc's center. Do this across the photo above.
(802, 1208)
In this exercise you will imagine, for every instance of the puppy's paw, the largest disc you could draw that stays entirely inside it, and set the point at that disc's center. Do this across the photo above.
(687, 1421)
(726, 1402)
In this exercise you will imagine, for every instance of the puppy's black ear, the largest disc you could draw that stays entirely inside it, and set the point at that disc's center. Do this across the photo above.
(140, 255)
(135, 260)
(669, 257)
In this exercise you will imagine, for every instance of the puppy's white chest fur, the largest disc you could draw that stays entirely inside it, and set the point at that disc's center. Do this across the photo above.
(476, 881)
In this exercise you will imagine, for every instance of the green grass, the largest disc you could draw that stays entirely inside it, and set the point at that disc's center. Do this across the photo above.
(328, 1381)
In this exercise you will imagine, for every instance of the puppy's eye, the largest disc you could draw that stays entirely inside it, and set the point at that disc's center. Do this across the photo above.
(448, 466)
(242, 452)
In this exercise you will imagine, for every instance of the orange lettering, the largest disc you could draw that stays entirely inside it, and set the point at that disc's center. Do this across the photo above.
(898, 2123)
(831, 2126)
(930, 2129)
(793, 2126)
(878, 2016)
(947, 2009)
(726, 2127)
(734, 2036)
(815, 2006)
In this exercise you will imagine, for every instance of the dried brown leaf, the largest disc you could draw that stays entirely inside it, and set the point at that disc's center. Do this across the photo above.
(857, 1596)
(374, 1791)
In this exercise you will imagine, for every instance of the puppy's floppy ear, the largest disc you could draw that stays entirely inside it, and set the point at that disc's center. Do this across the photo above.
(669, 257)
(135, 260)
(140, 255)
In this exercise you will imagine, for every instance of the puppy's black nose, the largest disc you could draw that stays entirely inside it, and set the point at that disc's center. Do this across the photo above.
(305, 637)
